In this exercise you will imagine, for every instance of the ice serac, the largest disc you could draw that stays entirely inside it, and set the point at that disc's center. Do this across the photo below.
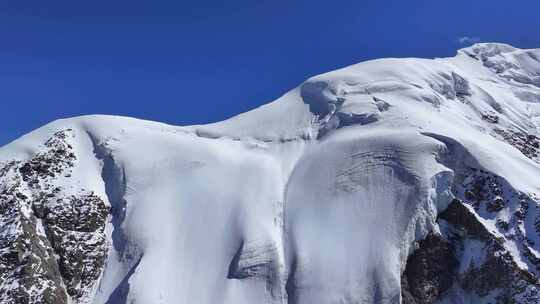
(390, 181)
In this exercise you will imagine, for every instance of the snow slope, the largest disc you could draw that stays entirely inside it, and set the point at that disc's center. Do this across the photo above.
(318, 197)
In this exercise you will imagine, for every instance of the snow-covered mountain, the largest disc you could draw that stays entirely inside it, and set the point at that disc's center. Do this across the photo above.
(389, 181)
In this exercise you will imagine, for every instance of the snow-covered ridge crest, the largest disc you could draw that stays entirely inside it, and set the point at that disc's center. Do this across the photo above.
(392, 180)
(511, 63)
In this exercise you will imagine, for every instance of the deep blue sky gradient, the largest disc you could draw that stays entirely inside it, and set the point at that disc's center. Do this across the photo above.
(191, 62)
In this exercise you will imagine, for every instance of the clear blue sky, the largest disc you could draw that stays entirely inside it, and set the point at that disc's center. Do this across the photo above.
(187, 62)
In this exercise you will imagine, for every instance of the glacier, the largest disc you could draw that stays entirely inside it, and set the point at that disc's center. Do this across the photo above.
(396, 180)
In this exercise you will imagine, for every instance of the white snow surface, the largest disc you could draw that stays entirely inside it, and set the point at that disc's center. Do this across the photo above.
(334, 207)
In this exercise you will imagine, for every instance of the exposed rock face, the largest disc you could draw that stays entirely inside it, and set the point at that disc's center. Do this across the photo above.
(465, 259)
(52, 245)
(28, 269)
(468, 258)
(494, 273)
(528, 144)
(75, 226)
(430, 271)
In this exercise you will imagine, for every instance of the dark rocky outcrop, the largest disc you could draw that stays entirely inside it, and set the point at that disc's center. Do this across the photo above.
(430, 271)
(52, 245)
(53, 161)
(528, 144)
(27, 260)
(75, 226)
(442, 264)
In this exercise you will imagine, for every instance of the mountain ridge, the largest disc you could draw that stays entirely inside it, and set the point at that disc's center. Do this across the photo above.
(347, 189)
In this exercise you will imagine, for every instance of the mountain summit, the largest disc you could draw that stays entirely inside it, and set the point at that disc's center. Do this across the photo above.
(389, 181)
